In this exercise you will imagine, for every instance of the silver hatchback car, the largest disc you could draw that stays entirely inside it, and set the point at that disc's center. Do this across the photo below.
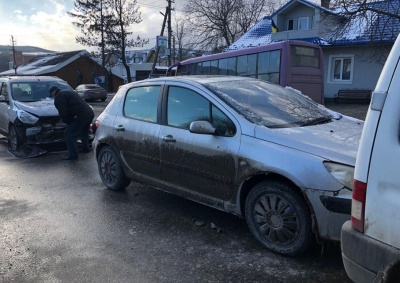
(28, 116)
(245, 146)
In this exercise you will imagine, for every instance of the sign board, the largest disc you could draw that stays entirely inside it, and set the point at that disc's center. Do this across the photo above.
(162, 41)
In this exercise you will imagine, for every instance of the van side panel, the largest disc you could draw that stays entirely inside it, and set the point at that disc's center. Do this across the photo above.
(382, 208)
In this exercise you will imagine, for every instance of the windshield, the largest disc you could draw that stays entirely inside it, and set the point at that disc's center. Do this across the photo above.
(34, 90)
(268, 104)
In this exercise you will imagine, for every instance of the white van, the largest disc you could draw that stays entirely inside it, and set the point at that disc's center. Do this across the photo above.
(371, 240)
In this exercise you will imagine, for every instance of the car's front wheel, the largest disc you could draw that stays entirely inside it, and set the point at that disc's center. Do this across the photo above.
(110, 169)
(14, 140)
(279, 218)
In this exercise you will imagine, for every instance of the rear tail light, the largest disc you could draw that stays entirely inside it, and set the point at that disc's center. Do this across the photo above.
(358, 205)
(94, 126)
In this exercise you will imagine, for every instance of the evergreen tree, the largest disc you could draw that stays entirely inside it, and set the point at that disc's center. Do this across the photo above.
(105, 23)
(123, 14)
(91, 20)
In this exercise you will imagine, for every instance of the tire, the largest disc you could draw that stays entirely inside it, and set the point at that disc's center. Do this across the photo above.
(278, 218)
(110, 169)
(14, 140)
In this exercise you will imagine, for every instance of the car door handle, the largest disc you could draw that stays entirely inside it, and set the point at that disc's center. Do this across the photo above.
(120, 128)
(169, 138)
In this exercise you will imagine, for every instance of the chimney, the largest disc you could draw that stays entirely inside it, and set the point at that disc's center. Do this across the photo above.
(325, 3)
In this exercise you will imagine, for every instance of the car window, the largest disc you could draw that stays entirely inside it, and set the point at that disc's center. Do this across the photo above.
(268, 104)
(186, 106)
(34, 90)
(4, 90)
(142, 103)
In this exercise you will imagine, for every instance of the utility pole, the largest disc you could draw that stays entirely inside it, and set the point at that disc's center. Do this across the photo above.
(102, 35)
(13, 50)
(167, 16)
(169, 32)
(158, 47)
(173, 49)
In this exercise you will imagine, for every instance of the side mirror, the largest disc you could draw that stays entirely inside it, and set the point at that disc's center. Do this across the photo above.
(202, 127)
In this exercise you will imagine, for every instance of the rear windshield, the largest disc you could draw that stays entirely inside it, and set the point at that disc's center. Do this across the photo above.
(268, 104)
(92, 86)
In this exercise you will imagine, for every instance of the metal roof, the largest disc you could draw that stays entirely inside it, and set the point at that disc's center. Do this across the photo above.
(377, 29)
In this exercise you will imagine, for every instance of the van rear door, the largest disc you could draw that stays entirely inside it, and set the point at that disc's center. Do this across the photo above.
(382, 206)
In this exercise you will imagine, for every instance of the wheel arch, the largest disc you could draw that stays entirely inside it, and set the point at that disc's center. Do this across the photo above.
(101, 145)
(249, 184)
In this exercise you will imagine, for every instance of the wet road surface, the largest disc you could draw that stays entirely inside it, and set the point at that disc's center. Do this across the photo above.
(60, 224)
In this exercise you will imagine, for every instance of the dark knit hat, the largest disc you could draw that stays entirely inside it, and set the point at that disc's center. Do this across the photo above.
(54, 88)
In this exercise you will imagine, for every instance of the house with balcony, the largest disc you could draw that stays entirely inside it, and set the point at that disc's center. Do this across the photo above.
(355, 49)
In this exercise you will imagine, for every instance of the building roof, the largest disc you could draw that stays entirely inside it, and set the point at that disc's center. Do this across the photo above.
(292, 3)
(48, 63)
(371, 28)
(360, 32)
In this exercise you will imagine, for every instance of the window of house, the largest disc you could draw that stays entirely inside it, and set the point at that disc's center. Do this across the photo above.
(302, 23)
(341, 68)
(290, 24)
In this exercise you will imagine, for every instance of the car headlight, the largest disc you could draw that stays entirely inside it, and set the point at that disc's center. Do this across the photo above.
(26, 117)
(343, 173)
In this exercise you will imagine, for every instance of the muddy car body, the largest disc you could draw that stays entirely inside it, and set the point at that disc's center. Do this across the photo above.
(241, 145)
(27, 113)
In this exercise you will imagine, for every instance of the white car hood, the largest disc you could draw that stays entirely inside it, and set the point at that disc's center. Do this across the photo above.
(42, 108)
(337, 140)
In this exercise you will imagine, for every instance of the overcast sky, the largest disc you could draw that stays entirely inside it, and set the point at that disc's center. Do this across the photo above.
(46, 24)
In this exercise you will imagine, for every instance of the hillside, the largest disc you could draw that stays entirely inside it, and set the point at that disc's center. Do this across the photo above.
(24, 49)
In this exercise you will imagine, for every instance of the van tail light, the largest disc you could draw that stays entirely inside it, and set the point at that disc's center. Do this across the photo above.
(358, 205)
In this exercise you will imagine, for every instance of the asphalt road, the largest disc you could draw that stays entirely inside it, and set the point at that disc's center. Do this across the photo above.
(60, 224)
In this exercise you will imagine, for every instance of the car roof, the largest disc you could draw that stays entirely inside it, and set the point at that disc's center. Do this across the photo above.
(89, 85)
(201, 79)
(30, 78)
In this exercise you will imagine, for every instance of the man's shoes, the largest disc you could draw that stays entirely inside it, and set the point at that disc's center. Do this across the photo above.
(67, 157)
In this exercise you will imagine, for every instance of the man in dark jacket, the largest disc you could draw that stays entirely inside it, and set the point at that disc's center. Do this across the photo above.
(78, 115)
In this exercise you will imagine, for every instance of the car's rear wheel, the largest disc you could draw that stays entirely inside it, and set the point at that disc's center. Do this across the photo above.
(14, 140)
(279, 218)
(110, 169)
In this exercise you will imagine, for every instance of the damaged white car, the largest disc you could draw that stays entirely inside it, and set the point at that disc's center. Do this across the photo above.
(28, 116)
(242, 145)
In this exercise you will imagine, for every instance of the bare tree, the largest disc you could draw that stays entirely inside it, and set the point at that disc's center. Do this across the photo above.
(183, 35)
(219, 23)
(374, 21)
(123, 13)
(90, 19)
(106, 23)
